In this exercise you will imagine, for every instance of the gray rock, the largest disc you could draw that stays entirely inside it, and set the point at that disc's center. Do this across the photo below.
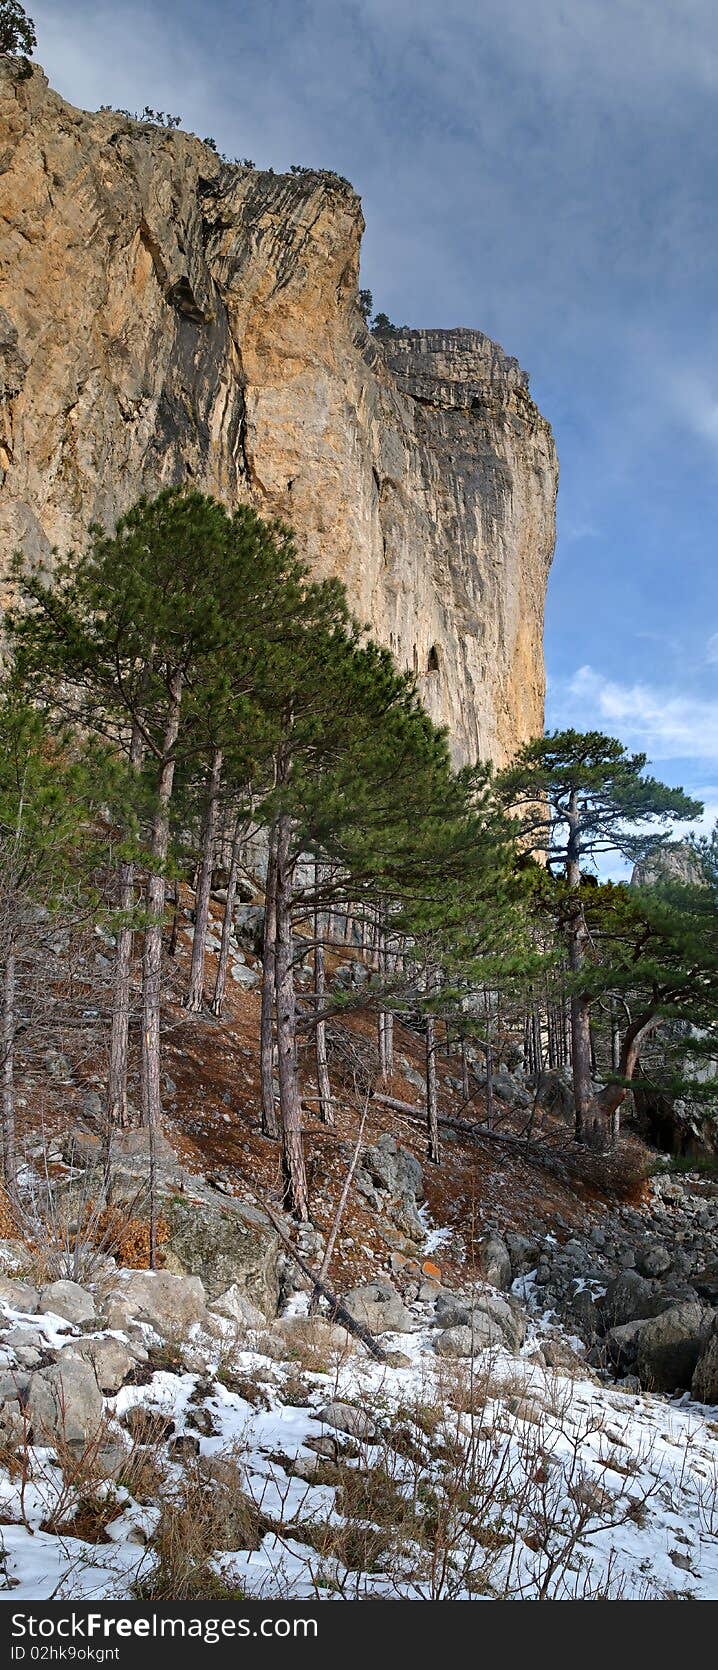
(523, 1252)
(228, 1244)
(112, 1361)
(621, 1345)
(379, 1307)
(503, 1313)
(653, 1260)
(169, 1303)
(235, 1306)
(670, 1345)
(67, 1299)
(704, 1385)
(65, 1401)
(494, 1261)
(630, 1297)
(345, 1417)
(18, 1295)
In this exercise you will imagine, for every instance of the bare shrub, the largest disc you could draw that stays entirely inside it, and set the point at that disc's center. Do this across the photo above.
(206, 1512)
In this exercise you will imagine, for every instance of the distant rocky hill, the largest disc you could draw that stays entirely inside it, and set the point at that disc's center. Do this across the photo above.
(167, 316)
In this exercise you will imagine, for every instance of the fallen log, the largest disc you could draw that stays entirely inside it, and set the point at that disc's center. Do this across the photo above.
(338, 1311)
(539, 1154)
(471, 1127)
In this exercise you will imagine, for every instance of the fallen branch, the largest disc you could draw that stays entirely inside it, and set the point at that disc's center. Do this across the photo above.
(343, 1198)
(477, 1132)
(338, 1311)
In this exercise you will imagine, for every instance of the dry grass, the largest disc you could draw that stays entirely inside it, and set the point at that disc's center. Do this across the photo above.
(206, 1512)
(128, 1239)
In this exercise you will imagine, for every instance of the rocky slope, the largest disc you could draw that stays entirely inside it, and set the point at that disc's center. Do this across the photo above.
(166, 316)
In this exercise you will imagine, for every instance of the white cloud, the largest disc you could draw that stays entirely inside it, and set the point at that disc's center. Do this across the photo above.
(667, 724)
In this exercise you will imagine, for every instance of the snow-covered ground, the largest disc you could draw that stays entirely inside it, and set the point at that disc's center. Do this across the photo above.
(555, 1485)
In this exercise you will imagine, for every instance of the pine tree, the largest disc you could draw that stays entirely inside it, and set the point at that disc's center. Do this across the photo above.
(577, 797)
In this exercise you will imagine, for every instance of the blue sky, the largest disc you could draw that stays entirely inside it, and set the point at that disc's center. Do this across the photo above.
(542, 169)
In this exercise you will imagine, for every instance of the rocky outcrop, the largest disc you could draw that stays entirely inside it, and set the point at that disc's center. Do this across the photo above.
(166, 316)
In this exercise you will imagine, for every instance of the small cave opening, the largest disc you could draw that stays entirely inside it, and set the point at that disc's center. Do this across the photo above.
(432, 664)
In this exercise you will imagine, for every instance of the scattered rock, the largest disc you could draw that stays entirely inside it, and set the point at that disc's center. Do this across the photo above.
(705, 1378)
(494, 1261)
(379, 1307)
(670, 1345)
(18, 1295)
(64, 1401)
(169, 1303)
(68, 1300)
(227, 1245)
(345, 1417)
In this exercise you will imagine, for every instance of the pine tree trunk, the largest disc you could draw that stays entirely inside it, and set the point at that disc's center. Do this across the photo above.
(156, 888)
(489, 1087)
(174, 929)
(432, 1099)
(326, 1111)
(120, 1027)
(266, 1035)
(8, 1072)
(227, 921)
(465, 1086)
(580, 1006)
(195, 993)
(296, 1194)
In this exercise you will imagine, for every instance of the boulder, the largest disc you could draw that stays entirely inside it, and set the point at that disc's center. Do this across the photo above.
(68, 1300)
(231, 1244)
(630, 1298)
(466, 1341)
(502, 1313)
(169, 1303)
(704, 1385)
(379, 1307)
(345, 1417)
(523, 1253)
(112, 1361)
(494, 1261)
(621, 1345)
(234, 1306)
(18, 1295)
(64, 1401)
(653, 1260)
(669, 1346)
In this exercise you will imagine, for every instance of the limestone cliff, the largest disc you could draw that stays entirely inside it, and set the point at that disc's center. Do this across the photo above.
(166, 316)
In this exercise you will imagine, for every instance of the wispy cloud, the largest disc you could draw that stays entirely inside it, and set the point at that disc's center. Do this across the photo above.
(666, 724)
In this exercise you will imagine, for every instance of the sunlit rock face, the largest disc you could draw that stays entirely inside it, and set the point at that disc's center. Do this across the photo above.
(168, 317)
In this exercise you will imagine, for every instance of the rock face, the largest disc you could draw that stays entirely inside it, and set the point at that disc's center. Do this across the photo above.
(164, 316)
